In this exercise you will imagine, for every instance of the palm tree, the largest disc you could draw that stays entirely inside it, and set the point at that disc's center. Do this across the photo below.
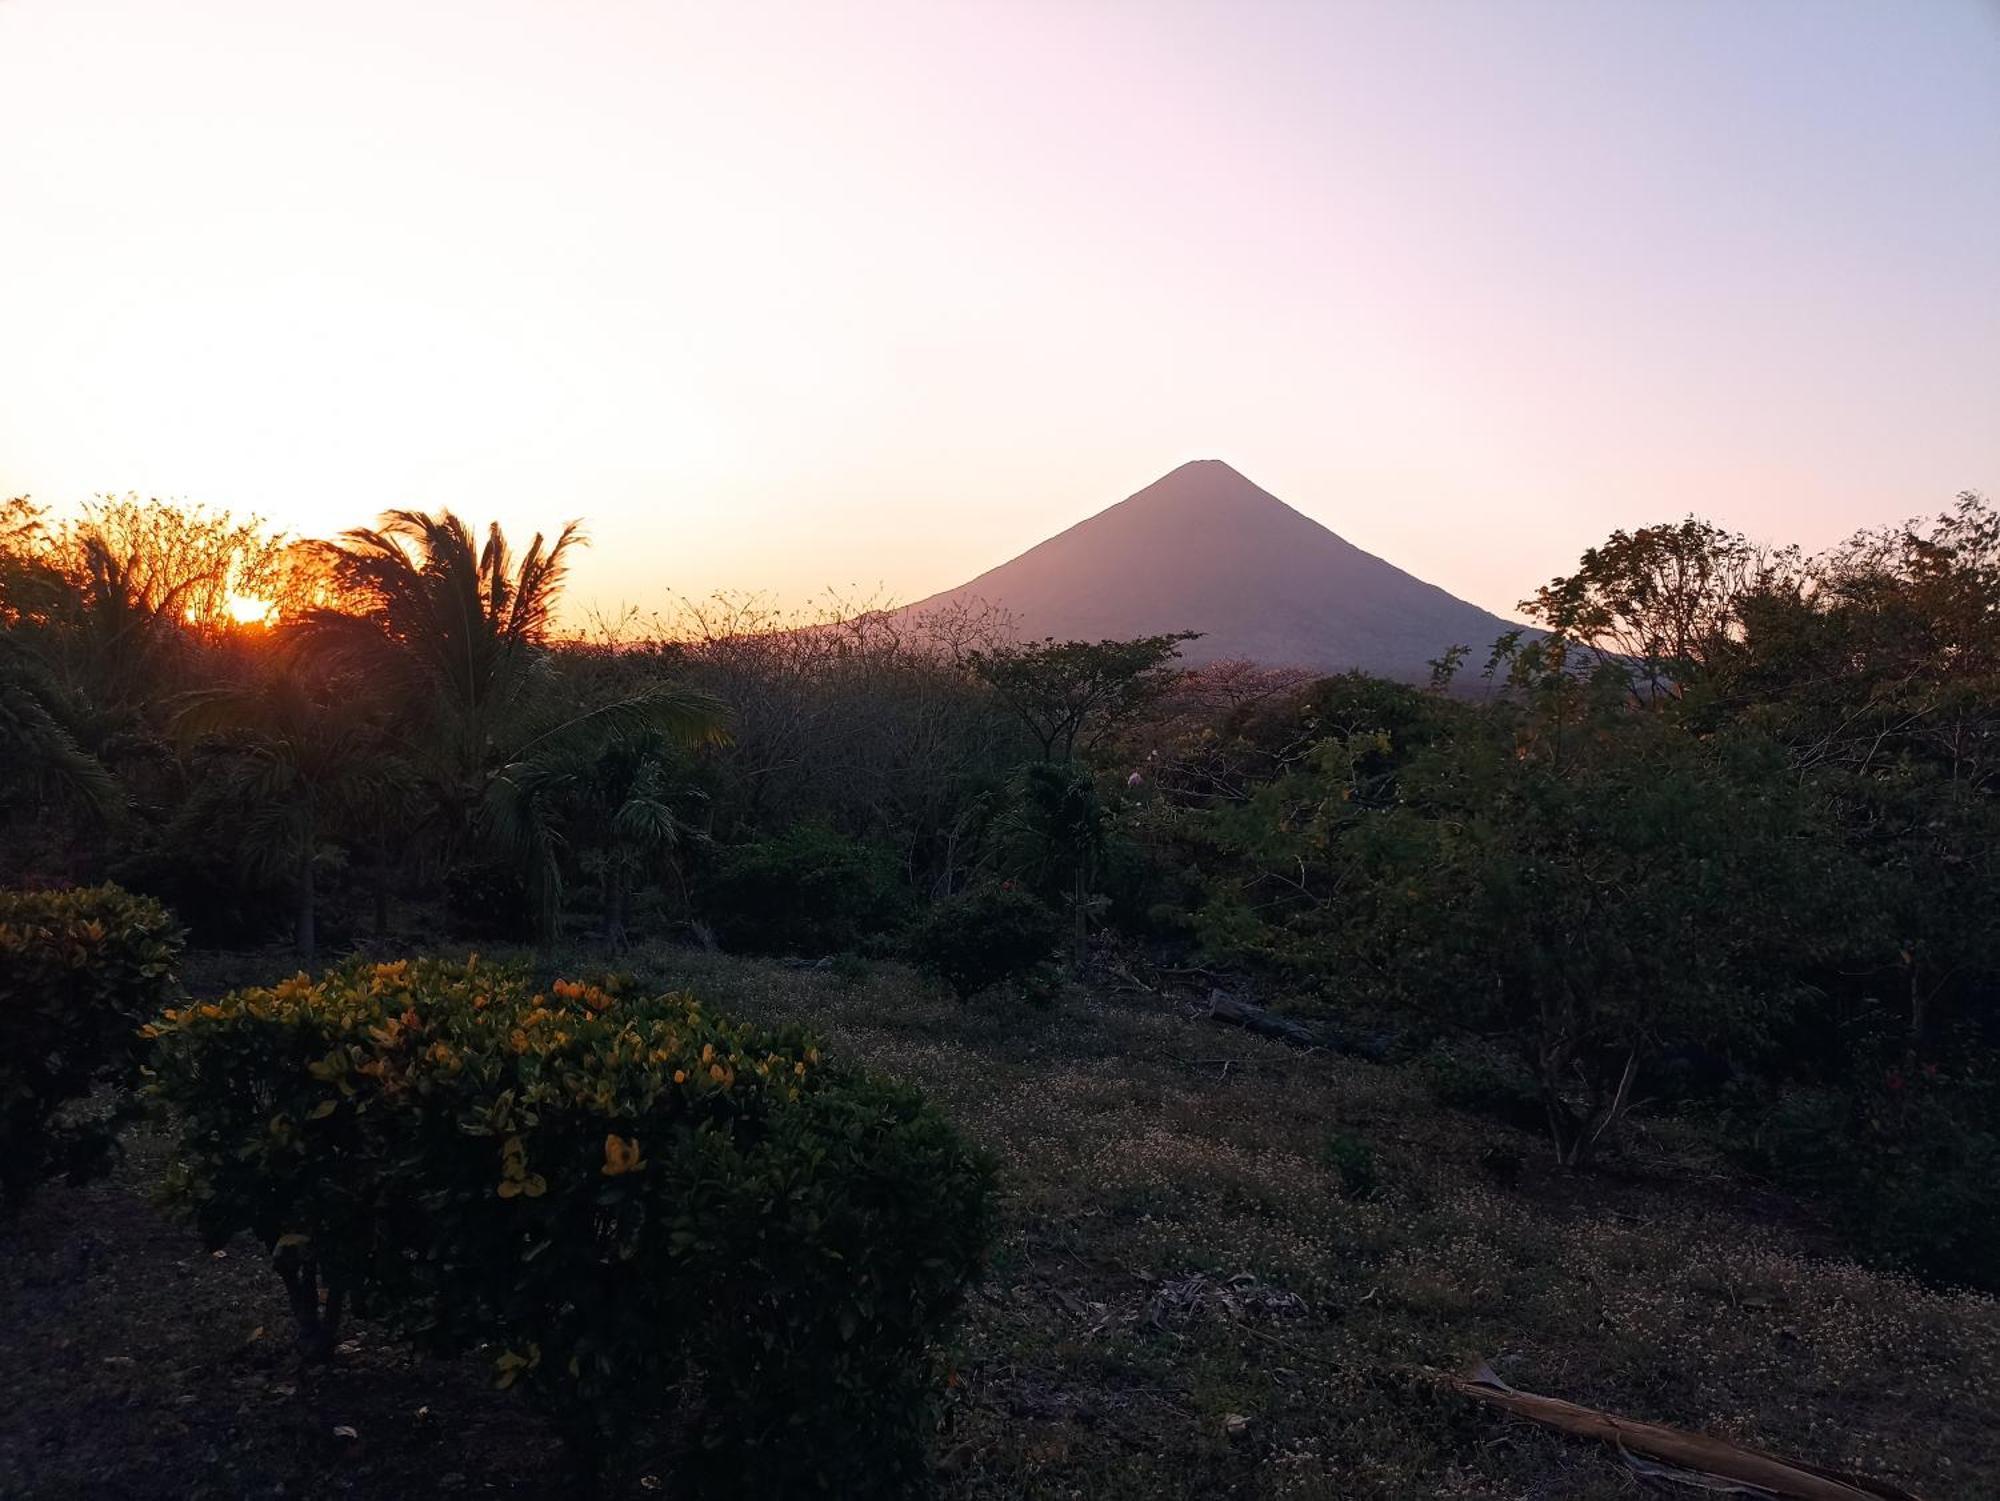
(42, 744)
(455, 634)
(39, 744)
(303, 751)
(625, 799)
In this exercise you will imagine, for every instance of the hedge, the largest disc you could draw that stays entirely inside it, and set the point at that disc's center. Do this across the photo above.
(80, 970)
(640, 1209)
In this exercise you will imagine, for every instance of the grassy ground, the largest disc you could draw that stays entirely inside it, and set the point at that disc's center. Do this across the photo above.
(1227, 1270)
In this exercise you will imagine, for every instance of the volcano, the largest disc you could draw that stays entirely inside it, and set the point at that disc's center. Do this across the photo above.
(1204, 549)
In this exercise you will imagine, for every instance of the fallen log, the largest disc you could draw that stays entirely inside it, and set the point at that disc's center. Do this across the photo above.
(1231, 1012)
(1227, 1010)
(1694, 1459)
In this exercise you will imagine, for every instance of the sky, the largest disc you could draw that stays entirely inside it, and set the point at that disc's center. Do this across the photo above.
(872, 296)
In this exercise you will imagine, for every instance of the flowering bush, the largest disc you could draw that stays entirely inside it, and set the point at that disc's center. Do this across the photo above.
(79, 971)
(637, 1206)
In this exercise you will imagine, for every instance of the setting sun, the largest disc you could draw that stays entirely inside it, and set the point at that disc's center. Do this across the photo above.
(248, 609)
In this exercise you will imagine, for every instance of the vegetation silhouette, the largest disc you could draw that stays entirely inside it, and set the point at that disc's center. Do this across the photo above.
(1703, 871)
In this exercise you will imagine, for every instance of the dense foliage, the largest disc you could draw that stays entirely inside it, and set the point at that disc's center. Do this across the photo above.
(638, 1207)
(993, 933)
(1722, 839)
(1720, 835)
(80, 972)
(807, 890)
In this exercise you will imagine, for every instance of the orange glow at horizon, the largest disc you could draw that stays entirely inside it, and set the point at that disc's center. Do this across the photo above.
(247, 609)
(872, 295)
(237, 610)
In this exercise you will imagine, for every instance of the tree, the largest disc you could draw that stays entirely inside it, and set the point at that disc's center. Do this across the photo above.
(41, 722)
(1592, 897)
(1072, 694)
(39, 744)
(612, 789)
(456, 636)
(1880, 678)
(146, 594)
(304, 751)
(1664, 602)
(626, 794)
(850, 715)
(450, 631)
(1058, 826)
(1653, 889)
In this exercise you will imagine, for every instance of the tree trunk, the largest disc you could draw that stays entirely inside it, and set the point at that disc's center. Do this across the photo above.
(1609, 1116)
(318, 1324)
(1562, 1126)
(382, 898)
(1081, 928)
(305, 936)
(614, 905)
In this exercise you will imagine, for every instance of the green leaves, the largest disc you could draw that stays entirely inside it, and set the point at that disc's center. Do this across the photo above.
(984, 936)
(1072, 694)
(80, 970)
(632, 1197)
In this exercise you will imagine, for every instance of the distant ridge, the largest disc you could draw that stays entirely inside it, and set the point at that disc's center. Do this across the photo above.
(1204, 549)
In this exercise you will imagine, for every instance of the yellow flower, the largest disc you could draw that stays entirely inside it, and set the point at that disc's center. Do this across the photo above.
(510, 1366)
(621, 1156)
(680, 1076)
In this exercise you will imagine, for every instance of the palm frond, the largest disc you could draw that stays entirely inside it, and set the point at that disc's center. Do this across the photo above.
(35, 742)
(687, 716)
(519, 814)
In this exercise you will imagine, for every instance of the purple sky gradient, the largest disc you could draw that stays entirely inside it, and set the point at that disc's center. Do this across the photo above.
(785, 297)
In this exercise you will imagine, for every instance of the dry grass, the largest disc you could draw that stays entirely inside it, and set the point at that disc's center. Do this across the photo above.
(1179, 1252)
(1190, 1299)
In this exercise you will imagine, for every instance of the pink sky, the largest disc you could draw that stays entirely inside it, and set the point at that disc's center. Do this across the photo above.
(784, 297)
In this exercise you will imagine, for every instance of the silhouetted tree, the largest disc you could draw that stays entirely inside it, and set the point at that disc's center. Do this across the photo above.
(1073, 694)
(455, 634)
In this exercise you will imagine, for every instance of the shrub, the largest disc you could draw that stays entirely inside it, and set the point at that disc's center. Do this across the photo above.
(640, 1207)
(1353, 1163)
(806, 891)
(79, 971)
(849, 969)
(1482, 1083)
(986, 935)
(488, 899)
(1906, 1167)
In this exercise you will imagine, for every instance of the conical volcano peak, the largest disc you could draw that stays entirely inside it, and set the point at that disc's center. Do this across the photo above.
(1208, 483)
(1203, 548)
